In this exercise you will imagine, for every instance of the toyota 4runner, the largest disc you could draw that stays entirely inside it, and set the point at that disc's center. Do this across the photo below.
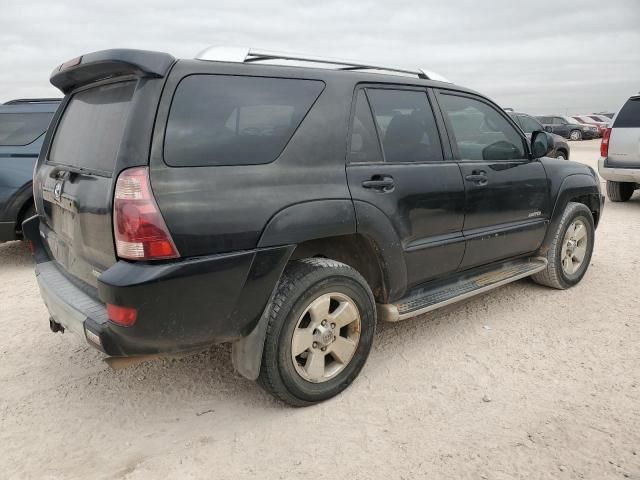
(286, 208)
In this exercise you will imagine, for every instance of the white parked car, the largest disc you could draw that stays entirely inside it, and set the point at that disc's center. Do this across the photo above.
(619, 162)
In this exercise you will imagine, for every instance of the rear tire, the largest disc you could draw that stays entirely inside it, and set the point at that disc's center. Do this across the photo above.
(561, 155)
(620, 191)
(569, 253)
(314, 298)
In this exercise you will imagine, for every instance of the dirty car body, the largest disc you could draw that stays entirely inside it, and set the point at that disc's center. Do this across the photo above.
(233, 209)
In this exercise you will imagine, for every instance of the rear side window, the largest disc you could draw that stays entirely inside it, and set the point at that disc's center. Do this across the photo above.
(19, 129)
(406, 124)
(91, 129)
(235, 120)
(479, 131)
(629, 115)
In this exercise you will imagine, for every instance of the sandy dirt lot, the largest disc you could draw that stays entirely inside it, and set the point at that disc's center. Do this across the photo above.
(523, 382)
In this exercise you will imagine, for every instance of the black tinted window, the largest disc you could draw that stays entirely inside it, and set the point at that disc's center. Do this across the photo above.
(91, 129)
(233, 120)
(17, 129)
(629, 115)
(406, 125)
(479, 131)
(547, 120)
(528, 124)
(364, 145)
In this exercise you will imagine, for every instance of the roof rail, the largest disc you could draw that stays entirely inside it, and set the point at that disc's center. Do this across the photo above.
(32, 100)
(252, 55)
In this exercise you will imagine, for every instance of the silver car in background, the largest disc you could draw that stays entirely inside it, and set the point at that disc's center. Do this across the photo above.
(619, 162)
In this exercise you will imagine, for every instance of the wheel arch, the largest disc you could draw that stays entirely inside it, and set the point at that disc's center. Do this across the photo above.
(327, 228)
(18, 204)
(579, 188)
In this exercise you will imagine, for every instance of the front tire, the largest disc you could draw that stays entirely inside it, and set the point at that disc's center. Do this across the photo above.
(575, 135)
(620, 191)
(570, 251)
(320, 331)
(560, 155)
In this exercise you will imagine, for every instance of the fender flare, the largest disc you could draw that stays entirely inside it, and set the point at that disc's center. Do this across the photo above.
(576, 185)
(310, 221)
(17, 201)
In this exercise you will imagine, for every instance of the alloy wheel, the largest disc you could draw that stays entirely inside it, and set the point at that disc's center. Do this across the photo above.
(574, 247)
(326, 337)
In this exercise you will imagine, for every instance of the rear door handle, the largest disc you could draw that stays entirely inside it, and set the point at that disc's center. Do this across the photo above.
(478, 177)
(378, 182)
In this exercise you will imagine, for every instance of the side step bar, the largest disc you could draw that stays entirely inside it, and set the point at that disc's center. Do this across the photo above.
(427, 299)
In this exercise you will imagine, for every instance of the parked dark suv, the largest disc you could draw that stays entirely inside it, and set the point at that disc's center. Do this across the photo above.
(286, 208)
(530, 124)
(22, 127)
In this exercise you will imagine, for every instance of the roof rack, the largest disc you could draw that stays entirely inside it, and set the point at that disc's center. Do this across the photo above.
(252, 55)
(32, 100)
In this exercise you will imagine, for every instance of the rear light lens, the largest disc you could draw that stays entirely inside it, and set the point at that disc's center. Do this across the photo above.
(123, 316)
(138, 226)
(71, 63)
(604, 145)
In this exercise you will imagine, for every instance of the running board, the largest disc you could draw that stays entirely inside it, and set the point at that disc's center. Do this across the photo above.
(425, 300)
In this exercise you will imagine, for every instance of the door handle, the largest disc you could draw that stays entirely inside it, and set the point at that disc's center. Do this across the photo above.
(378, 182)
(479, 177)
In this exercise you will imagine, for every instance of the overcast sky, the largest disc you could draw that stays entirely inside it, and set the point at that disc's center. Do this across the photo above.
(540, 56)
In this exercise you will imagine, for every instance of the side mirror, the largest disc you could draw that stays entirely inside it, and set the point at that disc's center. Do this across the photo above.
(541, 144)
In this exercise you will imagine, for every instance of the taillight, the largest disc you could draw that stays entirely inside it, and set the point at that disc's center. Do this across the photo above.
(124, 316)
(604, 145)
(138, 226)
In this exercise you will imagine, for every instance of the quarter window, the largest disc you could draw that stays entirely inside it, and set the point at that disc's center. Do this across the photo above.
(235, 120)
(406, 125)
(479, 131)
(364, 145)
(529, 125)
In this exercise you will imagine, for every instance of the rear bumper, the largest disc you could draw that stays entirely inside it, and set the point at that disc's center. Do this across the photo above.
(182, 305)
(617, 174)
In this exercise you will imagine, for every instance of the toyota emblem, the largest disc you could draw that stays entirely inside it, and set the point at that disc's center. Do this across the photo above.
(57, 191)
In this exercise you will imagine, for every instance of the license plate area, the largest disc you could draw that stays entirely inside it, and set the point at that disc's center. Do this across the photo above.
(62, 221)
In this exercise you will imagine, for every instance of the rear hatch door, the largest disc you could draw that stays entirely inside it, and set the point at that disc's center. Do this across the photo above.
(624, 142)
(102, 128)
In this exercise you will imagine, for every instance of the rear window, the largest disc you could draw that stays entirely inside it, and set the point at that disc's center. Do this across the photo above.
(234, 120)
(19, 129)
(91, 129)
(629, 115)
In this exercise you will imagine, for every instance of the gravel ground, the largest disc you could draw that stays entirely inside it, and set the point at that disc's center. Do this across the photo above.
(524, 382)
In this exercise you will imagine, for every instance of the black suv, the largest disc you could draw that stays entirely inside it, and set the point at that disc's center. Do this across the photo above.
(286, 208)
(22, 126)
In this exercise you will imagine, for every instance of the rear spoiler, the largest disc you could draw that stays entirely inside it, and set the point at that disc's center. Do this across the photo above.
(105, 64)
